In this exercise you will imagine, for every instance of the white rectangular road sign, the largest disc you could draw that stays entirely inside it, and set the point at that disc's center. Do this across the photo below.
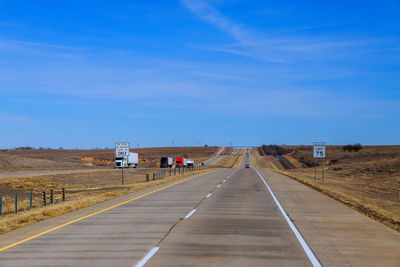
(319, 150)
(122, 149)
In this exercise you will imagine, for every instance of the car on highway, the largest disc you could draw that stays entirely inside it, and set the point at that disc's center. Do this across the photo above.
(247, 165)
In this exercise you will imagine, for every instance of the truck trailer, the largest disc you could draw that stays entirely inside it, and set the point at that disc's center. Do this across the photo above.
(127, 162)
(181, 163)
(166, 162)
(190, 163)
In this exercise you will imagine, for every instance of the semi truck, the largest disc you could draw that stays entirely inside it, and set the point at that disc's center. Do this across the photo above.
(166, 162)
(181, 163)
(127, 162)
(190, 163)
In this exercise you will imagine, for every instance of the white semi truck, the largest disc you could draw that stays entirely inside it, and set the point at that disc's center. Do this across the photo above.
(190, 163)
(127, 162)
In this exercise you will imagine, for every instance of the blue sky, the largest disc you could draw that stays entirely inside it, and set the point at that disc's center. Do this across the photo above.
(188, 72)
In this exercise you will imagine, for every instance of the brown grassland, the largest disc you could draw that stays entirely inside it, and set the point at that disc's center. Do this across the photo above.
(84, 189)
(367, 181)
(12, 160)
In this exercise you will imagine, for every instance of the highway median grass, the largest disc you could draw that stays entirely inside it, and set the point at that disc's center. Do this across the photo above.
(230, 161)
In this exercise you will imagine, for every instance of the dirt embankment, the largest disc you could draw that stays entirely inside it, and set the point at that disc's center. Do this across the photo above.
(275, 157)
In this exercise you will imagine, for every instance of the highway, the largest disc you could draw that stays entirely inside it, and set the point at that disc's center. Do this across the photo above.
(225, 217)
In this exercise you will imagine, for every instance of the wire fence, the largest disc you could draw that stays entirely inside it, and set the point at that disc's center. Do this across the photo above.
(22, 202)
(172, 172)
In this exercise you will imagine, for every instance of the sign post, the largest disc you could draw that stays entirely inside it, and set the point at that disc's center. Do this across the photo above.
(319, 153)
(122, 150)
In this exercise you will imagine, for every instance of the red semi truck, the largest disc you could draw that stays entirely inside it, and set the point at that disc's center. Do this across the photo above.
(181, 163)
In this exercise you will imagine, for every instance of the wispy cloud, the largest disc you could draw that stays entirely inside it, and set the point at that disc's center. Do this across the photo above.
(35, 44)
(276, 46)
(228, 50)
(17, 118)
(11, 25)
(206, 12)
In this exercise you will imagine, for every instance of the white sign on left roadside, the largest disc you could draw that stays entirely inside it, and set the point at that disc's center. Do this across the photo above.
(122, 149)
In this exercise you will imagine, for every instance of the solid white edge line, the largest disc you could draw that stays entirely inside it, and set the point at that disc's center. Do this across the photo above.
(296, 232)
(209, 195)
(190, 214)
(146, 258)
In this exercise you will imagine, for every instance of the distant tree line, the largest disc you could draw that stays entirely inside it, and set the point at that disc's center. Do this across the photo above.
(357, 147)
(29, 147)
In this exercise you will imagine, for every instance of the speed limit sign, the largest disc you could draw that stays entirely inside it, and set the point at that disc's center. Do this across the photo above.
(319, 150)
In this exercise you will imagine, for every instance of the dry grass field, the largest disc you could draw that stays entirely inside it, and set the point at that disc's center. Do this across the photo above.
(51, 159)
(368, 181)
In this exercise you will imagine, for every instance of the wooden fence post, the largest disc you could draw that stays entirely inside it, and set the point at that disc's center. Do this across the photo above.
(63, 194)
(44, 198)
(16, 204)
(51, 196)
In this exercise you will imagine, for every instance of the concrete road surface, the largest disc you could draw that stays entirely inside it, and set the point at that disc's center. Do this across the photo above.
(226, 217)
(238, 225)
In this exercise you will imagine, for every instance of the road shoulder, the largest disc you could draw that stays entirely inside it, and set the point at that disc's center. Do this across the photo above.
(338, 235)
